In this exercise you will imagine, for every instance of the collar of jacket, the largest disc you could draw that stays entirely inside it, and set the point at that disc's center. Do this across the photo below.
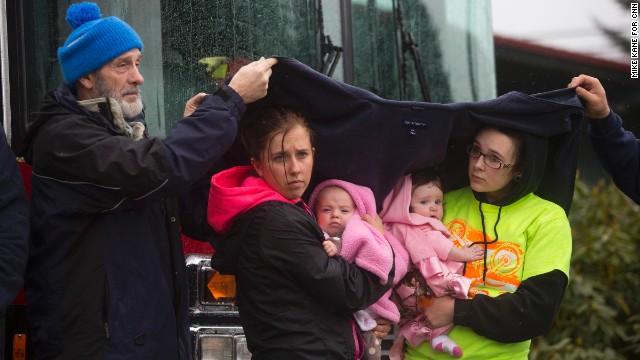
(65, 94)
(110, 109)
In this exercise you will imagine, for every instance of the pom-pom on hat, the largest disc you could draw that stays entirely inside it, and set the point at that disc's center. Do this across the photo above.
(94, 41)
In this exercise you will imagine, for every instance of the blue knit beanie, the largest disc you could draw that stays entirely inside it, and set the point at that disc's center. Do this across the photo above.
(94, 41)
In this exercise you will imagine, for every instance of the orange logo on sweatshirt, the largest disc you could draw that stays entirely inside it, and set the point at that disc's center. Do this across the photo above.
(504, 259)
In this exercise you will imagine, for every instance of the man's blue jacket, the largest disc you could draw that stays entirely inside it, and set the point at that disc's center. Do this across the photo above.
(619, 153)
(106, 277)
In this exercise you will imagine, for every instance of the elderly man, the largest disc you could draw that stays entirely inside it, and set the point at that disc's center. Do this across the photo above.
(106, 276)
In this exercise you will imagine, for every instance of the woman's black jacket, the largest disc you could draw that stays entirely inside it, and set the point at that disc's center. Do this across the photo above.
(295, 302)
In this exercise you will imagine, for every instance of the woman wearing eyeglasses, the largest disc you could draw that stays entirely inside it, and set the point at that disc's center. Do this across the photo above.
(520, 280)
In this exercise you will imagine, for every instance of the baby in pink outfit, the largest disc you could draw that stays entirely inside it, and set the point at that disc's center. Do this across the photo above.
(339, 207)
(412, 212)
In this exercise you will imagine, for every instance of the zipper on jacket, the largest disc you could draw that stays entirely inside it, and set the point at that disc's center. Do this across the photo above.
(105, 310)
(163, 208)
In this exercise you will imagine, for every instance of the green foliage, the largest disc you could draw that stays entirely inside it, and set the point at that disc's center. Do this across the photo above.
(600, 314)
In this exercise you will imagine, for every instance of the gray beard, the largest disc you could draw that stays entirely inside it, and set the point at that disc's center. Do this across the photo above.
(129, 110)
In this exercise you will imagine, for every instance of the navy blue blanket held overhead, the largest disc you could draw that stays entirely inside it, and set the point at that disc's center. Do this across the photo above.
(371, 141)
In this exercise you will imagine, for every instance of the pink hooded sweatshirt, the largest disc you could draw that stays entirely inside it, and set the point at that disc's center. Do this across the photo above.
(428, 243)
(235, 191)
(363, 245)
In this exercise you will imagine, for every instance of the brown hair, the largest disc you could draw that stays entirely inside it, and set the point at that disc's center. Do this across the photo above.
(424, 177)
(518, 143)
(258, 131)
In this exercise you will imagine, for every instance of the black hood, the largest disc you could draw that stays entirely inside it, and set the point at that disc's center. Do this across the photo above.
(57, 102)
(535, 162)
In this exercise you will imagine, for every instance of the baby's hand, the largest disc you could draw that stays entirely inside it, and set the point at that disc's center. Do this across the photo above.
(472, 253)
(330, 248)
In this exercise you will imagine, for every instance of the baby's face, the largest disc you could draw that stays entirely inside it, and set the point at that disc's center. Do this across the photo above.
(333, 208)
(426, 200)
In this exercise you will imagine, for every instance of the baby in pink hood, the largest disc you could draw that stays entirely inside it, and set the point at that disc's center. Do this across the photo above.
(412, 212)
(339, 207)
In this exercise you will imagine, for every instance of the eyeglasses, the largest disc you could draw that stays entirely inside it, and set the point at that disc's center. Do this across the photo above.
(491, 161)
